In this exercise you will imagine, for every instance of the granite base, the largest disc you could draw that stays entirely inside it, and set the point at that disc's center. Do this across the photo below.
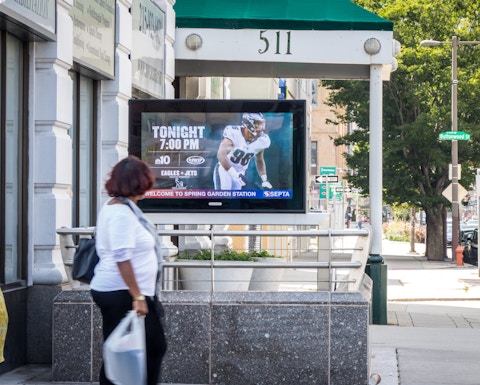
(233, 337)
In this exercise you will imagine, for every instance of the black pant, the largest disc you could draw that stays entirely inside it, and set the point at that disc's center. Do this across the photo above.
(114, 305)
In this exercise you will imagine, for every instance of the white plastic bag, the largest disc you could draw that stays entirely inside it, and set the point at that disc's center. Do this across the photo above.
(124, 353)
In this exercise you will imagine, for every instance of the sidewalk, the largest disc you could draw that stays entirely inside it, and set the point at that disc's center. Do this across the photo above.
(433, 330)
(432, 336)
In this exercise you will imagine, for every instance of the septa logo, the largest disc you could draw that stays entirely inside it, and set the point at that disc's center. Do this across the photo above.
(277, 194)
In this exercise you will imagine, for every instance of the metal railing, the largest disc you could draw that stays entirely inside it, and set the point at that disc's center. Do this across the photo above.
(314, 259)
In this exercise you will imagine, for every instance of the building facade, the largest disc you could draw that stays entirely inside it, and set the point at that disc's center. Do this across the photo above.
(68, 69)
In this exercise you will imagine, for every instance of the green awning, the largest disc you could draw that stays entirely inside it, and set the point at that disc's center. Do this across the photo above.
(323, 15)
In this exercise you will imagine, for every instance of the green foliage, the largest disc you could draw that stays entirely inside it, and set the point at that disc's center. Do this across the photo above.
(228, 255)
(417, 104)
(263, 254)
(400, 231)
(402, 212)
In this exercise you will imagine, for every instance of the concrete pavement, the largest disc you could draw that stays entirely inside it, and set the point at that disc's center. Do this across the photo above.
(433, 331)
(432, 336)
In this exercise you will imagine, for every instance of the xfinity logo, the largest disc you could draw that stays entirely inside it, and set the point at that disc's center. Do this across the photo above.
(195, 160)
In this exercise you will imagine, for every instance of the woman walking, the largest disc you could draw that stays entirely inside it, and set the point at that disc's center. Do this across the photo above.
(126, 275)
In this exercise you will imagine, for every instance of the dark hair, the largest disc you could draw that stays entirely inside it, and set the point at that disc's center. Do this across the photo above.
(129, 177)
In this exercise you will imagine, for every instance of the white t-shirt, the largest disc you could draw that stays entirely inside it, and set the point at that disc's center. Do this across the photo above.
(119, 228)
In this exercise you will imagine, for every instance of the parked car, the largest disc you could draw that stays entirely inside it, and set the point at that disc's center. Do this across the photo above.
(472, 222)
(465, 230)
(470, 225)
(449, 233)
(470, 250)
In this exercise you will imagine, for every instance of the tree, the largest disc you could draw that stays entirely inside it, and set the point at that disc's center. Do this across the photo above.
(417, 108)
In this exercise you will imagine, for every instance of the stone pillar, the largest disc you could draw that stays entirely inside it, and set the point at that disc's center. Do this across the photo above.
(192, 244)
(169, 50)
(52, 149)
(50, 169)
(222, 242)
(115, 94)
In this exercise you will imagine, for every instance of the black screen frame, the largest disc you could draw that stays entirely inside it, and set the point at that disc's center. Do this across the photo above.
(297, 204)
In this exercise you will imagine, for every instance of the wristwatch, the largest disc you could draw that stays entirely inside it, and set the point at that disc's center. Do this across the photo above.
(139, 298)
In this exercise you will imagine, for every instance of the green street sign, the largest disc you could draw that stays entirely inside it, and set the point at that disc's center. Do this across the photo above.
(323, 191)
(454, 135)
(328, 170)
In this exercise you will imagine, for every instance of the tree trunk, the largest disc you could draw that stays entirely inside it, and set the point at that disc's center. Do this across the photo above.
(436, 241)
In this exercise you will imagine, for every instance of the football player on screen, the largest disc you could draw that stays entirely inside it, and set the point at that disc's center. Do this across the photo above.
(240, 144)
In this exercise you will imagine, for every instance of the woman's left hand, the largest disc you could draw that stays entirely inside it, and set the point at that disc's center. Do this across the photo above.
(140, 307)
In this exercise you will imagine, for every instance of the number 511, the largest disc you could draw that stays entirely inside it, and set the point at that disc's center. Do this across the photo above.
(279, 35)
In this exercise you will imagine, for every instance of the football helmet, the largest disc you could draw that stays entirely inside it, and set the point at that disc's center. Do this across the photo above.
(250, 118)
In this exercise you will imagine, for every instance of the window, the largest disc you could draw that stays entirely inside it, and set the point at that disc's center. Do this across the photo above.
(313, 158)
(13, 158)
(84, 139)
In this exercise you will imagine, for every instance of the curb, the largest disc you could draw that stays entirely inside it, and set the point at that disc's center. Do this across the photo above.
(431, 299)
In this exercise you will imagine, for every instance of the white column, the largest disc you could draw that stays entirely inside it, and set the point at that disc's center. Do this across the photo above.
(169, 50)
(376, 157)
(51, 157)
(113, 109)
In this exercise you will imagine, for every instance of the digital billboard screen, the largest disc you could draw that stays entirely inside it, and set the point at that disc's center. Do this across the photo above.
(221, 155)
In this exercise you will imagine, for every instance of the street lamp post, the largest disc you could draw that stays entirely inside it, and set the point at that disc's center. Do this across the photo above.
(455, 201)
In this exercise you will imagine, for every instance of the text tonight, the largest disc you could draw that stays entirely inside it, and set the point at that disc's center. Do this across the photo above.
(184, 132)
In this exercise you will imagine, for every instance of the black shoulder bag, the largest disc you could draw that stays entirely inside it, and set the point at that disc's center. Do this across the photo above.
(84, 260)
